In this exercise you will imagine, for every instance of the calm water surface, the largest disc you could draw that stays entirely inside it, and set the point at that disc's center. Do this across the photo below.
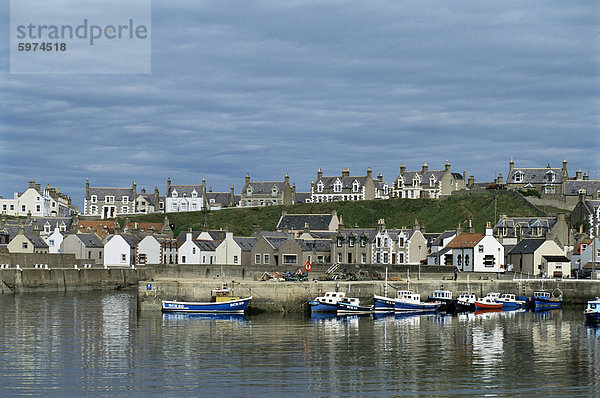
(96, 343)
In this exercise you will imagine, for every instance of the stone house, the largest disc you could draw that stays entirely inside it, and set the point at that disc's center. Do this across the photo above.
(549, 182)
(259, 193)
(27, 243)
(219, 200)
(427, 183)
(147, 203)
(297, 223)
(37, 202)
(109, 202)
(353, 246)
(266, 250)
(526, 256)
(84, 247)
(510, 230)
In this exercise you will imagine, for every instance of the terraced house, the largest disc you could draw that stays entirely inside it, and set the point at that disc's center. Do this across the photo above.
(347, 188)
(548, 181)
(427, 183)
(181, 198)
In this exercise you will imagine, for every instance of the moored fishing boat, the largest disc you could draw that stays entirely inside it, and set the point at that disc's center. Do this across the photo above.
(510, 301)
(326, 303)
(221, 302)
(441, 296)
(487, 303)
(384, 304)
(409, 301)
(592, 310)
(543, 300)
(465, 302)
(351, 305)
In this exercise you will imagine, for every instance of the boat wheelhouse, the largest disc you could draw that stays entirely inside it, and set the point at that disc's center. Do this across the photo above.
(410, 301)
(592, 310)
(510, 301)
(326, 303)
(543, 300)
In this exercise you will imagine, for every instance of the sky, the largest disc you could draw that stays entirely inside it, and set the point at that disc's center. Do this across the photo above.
(273, 87)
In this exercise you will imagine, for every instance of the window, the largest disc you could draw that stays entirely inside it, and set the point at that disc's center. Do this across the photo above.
(385, 258)
(401, 242)
(320, 187)
(3, 207)
(518, 177)
(124, 209)
(339, 257)
(459, 260)
(38, 208)
(266, 259)
(466, 260)
(94, 209)
(123, 257)
(194, 194)
(401, 258)
(51, 242)
(94, 198)
(24, 245)
(320, 259)
(109, 199)
(351, 241)
(89, 254)
(363, 258)
(385, 242)
(290, 259)
(12, 207)
(363, 241)
(182, 259)
(489, 260)
(355, 186)
(274, 192)
(193, 250)
(173, 206)
(235, 259)
(249, 191)
(125, 199)
(47, 228)
(340, 240)
(174, 194)
(480, 248)
(337, 187)
(550, 176)
(142, 258)
(23, 208)
(378, 241)
(257, 259)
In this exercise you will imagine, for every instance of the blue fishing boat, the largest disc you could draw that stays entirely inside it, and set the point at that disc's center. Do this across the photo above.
(326, 303)
(221, 302)
(510, 301)
(442, 296)
(592, 310)
(543, 300)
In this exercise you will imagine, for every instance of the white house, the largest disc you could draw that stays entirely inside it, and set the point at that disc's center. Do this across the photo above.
(197, 251)
(120, 250)
(477, 252)
(229, 252)
(54, 240)
(149, 251)
(181, 198)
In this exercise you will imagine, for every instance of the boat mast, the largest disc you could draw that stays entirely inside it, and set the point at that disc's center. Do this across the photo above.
(385, 286)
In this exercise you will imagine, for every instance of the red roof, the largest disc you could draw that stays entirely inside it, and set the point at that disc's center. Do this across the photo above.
(465, 240)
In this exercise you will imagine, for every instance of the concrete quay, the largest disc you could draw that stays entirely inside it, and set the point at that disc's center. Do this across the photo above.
(294, 296)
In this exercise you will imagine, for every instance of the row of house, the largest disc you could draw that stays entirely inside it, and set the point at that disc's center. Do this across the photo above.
(46, 202)
(533, 246)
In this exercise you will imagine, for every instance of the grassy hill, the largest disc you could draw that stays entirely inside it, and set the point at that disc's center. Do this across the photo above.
(436, 215)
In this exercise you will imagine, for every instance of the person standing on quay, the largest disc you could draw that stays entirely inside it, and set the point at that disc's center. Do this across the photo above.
(455, 274)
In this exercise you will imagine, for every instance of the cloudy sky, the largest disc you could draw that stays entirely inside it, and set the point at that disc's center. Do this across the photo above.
(270, 87)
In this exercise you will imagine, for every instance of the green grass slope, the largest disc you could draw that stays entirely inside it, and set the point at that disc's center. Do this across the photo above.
(436, 215)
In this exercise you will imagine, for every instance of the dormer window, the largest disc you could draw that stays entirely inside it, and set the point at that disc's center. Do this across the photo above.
(109, 199)
(274, 191)
(363, 241)
(62, 227)
(337, 187)
(174, 194)
(340, 240)
(351, 241)
(125, 199)
(518, 177)
(94, 198)
(249, 191)
(47, 228)
(550, 176)
(355, 186)
(401, 241)
(320, 187)
(431, 182)
(416, 182)
(194, 194)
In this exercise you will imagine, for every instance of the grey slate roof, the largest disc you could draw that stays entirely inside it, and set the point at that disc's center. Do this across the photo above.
(536, 175)
(276, 243)
(245, 243)
(207, 245)
(36, 241)
(302, 197)
(555, 259)
(526, 225)
(572, 187)
(185, 189)
(320, 245)
(182, 235)
(444, 235)
(118, 193)
(347, 182)
(264, 187)
(223, 198)
(527, 246)
(90, 240)
(296, 221)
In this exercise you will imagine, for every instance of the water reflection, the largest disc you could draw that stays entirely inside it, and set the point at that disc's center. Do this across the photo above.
(97, 344)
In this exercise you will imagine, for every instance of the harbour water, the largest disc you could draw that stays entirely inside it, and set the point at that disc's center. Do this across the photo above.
(96, 343)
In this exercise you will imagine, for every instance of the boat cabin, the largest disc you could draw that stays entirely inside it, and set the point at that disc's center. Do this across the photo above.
(221, 294)
(467, 298)
(493, 295)
(331, 297)
(441, 295)
(541, 294)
